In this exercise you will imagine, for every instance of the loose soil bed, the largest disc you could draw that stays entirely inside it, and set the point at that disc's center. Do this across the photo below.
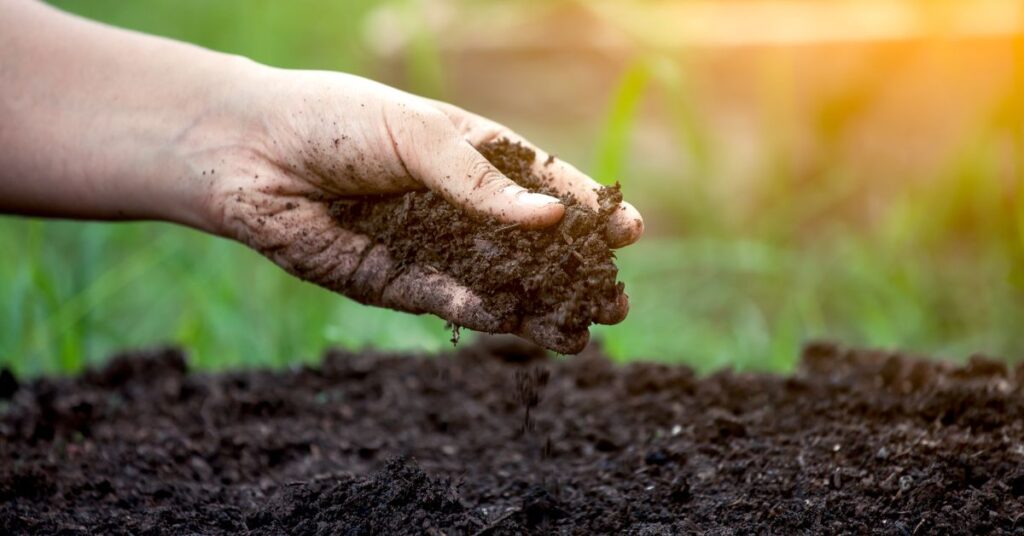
(855, 442)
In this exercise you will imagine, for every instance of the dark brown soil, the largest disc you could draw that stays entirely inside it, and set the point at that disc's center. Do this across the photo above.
(856, 442)
(565, 273)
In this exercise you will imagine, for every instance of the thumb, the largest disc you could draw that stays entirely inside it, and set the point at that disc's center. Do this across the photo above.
(446, 163)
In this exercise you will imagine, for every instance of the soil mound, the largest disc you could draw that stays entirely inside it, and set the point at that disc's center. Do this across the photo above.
(373, 443)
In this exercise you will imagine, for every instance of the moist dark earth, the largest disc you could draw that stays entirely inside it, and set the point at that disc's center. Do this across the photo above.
(855, 442)
(565, 274)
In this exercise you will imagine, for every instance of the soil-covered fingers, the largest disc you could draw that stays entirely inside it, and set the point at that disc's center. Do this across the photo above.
(544, 331)
(625, 226)
(614, 313)
(414, 289)
(435, 153)
(420, 290)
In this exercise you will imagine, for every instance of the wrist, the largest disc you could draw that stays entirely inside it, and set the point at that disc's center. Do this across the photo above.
(220, 132)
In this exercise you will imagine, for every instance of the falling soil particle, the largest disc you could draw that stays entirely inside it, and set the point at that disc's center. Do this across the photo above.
(564, 273)
(530, 385)
(856, 442)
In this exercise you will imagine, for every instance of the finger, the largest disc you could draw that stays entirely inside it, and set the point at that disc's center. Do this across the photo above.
(615, 313)
(438, 156)
(368, 282)
(545, 332)
(415, 290)
(626, 224)
(419, 290)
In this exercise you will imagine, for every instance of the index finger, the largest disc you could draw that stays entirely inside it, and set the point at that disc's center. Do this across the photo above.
(625, 226)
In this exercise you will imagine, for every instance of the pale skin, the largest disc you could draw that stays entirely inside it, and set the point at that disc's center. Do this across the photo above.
(106, 124)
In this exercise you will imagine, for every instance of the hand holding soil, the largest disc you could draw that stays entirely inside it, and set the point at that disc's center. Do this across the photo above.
(264, 156)
(476, 248)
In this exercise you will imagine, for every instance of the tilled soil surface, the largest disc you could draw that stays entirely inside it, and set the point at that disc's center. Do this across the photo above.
(856, 442)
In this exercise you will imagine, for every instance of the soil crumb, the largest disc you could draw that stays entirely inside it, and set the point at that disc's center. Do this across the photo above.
(565, 273)
(856, 442)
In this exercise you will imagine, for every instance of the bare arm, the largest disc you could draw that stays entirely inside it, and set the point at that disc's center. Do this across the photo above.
(90, 117)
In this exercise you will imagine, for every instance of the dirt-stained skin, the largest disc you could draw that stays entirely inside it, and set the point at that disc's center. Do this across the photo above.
(328, 136)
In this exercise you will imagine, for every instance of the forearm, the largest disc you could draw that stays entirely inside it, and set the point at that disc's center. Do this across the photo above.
(93, 119)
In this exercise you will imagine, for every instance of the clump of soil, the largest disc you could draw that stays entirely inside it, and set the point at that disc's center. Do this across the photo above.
(856, 442)
(565, 273)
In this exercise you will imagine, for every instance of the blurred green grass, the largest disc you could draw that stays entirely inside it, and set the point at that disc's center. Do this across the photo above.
(939, 273)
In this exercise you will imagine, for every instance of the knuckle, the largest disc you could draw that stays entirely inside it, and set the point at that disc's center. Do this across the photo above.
(369, 279)
(486, 133)
(331, 264)
(427, 116)
(485, 178)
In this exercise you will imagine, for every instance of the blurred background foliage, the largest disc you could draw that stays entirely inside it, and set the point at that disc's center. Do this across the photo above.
(842, 170)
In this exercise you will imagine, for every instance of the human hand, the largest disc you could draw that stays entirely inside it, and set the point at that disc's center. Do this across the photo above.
(313, 137)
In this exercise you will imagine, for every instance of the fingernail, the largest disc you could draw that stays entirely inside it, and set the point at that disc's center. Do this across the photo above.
(537, 200)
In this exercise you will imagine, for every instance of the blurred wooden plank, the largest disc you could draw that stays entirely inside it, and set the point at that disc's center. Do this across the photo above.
(732, 23)
(618, 25)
